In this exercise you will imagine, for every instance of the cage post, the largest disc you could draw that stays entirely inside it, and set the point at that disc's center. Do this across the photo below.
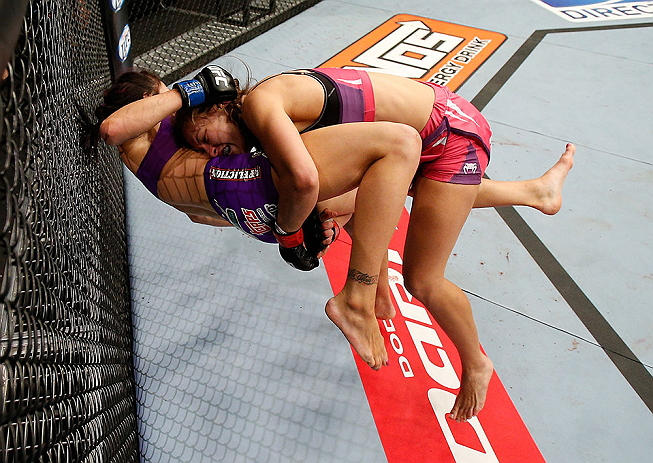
(118, 36)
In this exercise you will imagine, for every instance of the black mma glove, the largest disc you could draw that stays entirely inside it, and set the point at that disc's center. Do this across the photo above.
(292, 250)
(314, 233)
(212, 85)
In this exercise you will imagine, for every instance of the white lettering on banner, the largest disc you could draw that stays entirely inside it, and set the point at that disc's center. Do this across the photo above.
(396, 344)
(450, 69)
(392, 54)
(444, 375)
(404, 364)
(442, 402)
(420, 335)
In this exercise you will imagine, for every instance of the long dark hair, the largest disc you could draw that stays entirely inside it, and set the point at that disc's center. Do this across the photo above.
(128, 87)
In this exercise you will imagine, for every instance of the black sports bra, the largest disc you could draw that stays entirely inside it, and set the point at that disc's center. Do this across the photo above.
(330, 114)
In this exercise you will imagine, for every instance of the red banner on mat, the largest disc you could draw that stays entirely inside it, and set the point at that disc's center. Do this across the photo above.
(411, 397)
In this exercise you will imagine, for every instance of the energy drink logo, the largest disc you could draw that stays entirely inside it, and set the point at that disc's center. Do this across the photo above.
(583, 11)
(422, 49)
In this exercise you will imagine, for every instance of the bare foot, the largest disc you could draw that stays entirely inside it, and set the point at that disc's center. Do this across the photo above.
(361, 330)
(473, 389)
(549, 185)
(384, 309)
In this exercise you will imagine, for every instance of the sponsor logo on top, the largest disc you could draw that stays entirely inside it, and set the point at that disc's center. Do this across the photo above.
(235, 175)
(584, 11)
(422, 49)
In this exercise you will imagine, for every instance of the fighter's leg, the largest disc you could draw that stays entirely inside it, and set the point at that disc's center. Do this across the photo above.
(543, 193)
(341, 208)
(384, 309)
(381, 159)
(438, 213)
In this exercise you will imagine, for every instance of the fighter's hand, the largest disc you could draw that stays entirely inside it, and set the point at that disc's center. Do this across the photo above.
(212, 85)
(330, 229)
(293, 251)
(320, 230)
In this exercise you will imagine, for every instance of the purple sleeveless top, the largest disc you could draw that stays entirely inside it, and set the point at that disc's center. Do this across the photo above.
(239, 186)
(164, 146)
(241, 190)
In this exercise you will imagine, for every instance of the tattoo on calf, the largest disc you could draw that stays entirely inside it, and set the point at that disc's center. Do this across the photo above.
(363, 278)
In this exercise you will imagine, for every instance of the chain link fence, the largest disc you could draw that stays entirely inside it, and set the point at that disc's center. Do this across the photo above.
(175, 37)
(67, 390)
(66, 380)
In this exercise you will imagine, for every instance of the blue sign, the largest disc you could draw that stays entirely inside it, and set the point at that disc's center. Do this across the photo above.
(582, 11)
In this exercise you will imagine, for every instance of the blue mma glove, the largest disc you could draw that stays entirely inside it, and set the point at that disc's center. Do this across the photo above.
(212, 85)
(292, 250)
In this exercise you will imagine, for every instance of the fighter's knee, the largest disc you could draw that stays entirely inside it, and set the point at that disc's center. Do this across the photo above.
(424, 287)
(408, 142)
(416, 287)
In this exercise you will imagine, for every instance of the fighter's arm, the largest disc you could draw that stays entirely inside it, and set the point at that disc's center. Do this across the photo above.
(298, 185)
(139, 117)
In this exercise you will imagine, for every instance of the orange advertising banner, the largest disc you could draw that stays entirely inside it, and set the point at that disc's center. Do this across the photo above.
(421, 49)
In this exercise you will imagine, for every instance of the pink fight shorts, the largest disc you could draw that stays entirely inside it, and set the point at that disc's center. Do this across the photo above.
(453, 140)
(463, 161)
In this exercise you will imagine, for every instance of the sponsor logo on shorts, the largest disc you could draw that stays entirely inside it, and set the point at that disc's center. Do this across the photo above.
(584, 11)
(422, 49)
(235, 175)
(254, 223)
(440, 141)
(232, 217)
(470, 168)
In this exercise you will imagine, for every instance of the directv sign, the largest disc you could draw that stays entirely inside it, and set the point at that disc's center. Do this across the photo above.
(583, 11)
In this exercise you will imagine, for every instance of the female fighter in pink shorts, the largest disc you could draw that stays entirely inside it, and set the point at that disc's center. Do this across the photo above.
(455, 152)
